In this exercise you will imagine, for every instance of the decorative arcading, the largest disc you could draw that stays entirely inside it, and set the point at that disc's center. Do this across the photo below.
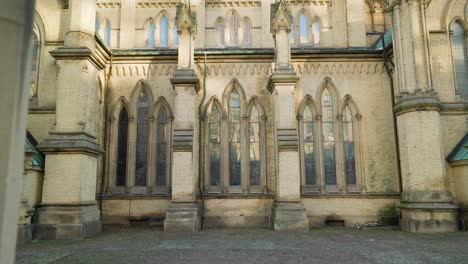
(340, 68)
(108, 3)
(157, 3)
(143, 70)
(236, 69)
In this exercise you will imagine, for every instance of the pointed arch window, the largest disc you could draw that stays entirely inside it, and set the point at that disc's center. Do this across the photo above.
(220, 31)
(234, 126)
(303, 29)
(122, 144)
(161, 148)
(348, 147)
(309, 153)
(246, 32)
(316, 32)
(150, 28)
(163, 31)
(460, 57)
(234, 29)
(141, 164)
(215, 147)
(254, 147)
(176, 36)
(107, 33)
(328, 138)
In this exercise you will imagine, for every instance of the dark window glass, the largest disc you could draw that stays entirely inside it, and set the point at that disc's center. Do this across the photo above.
(141, 166)
(309, 157)
(122, 140)
(328, 138)
(234, 139)
(349, 161)
(460, 58)
(254, 147)
(215, 140)
(161, 148)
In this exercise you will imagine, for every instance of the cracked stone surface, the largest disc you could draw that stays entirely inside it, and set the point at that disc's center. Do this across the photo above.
(219, 246)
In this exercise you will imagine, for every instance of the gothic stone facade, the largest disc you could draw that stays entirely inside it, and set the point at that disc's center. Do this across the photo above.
(286, 114)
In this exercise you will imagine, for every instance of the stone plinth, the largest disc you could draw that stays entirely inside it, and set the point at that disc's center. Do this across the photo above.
(67, 221)
(291, 216)
(182, 217)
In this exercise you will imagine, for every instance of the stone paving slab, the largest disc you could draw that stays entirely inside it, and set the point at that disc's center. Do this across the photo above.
(219, 246)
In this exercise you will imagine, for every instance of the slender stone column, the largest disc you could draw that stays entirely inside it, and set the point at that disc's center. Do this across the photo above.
(426, 203)
(68, 209)
(183, 213)
(288, 213)
(15, 50)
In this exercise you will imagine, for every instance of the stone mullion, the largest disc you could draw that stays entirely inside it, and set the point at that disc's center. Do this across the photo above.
(152, 153)
(263, 161)
(245, 157)
(319, 147)
(339, 153)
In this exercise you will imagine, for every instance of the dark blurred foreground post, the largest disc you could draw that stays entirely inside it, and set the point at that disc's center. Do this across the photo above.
(15, 27)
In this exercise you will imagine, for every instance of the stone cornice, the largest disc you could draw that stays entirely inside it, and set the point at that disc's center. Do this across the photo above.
(70, 142)
(157, 3)
(108, 3)
(98, 57)
(417, 102)
(233, 3)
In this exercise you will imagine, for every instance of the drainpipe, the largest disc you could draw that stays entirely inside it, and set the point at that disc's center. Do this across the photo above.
(395, 125)
(201, 178)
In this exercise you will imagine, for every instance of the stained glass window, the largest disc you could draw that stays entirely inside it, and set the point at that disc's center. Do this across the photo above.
(122, 139)
(309, 155)
(348, 140)
(163, 31)
(234, 139)
(161, 148)
(328, 138)
(254, 146)
(460, 58)
(215, 142)
(141, 165)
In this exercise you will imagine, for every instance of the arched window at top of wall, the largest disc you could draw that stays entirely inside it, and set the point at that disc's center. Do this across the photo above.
(303, 29)
(316, 32)
(460, 57)
(234, 29)
(379, 17)
(246, 32)
(368, 16)
(220, 32)
(149, 30)
(291, 34)
(107, 33)
(163, 31)
(374, 16)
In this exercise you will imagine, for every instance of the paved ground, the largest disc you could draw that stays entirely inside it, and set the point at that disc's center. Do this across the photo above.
(219, 246)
